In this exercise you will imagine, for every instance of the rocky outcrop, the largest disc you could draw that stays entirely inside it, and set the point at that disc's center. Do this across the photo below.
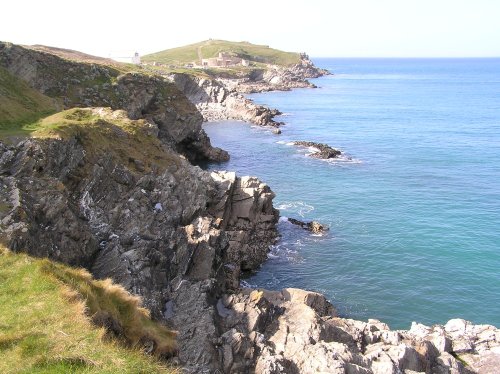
(248, 218)
(82, 84)
(313, 226)
(282, 78)
(217, 102)
(221, 98)
(322, 151)
(295, 331)
(111, 194)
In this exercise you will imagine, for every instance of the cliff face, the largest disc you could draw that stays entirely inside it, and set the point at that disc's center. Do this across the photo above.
(218, 102)
(82, 84)
(96, 189)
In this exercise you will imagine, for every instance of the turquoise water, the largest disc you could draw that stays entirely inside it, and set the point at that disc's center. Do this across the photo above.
(414, 217)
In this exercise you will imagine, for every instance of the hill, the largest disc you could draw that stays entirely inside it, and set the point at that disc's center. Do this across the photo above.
(211, 48)
(57, 319)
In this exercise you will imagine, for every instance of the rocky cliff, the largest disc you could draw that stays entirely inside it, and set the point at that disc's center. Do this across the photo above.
(83, 84)
(282, 78)
(93, 188)
(216, 101)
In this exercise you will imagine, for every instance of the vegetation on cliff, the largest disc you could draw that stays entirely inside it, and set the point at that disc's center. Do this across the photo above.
(211, 48)
(56, 319)
(20, 104)
(102, 130)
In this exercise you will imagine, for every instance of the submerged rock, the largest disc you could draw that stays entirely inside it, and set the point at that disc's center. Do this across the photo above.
(323, 151)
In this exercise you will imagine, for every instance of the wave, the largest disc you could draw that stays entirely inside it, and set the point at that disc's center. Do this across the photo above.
(299, 207)
(284, 142)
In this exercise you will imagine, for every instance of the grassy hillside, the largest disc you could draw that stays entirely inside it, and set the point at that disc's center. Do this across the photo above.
(211, 48)
(20, 104)
(48, 322)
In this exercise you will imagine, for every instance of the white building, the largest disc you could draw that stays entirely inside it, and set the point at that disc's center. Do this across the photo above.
(136, 59)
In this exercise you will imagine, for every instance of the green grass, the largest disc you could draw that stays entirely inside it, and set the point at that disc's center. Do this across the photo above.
(211, 48)
(20, 105)
(48, 316)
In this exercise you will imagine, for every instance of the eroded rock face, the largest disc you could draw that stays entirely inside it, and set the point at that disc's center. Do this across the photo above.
(248, 218)
(216, 101)
(142, 225)
(295, 331)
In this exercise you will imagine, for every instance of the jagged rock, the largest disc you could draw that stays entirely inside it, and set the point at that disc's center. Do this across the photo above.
(313, 226)
(218, 102)
(322, 151)
(295, 331)
(248, 218)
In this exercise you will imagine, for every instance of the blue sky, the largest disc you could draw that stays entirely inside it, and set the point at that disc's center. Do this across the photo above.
(355, 28)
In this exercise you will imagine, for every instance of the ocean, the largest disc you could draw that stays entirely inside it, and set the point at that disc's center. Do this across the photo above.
(414, 207)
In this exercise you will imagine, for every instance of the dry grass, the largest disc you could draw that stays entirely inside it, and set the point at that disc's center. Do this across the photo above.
(47, 315)
(111, 306)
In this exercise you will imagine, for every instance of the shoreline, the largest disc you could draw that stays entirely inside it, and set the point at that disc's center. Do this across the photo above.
(446, 341)
(223, 99)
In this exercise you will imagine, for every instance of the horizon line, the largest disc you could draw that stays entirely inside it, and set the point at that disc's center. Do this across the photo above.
(409, 57)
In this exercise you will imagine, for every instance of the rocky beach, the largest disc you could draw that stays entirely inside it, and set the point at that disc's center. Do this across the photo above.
(110, 183)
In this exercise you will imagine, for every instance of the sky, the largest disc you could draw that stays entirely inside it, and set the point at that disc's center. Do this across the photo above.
(322, 28)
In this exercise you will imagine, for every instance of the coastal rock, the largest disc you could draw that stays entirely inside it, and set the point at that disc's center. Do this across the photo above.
(166, 230)
(281, 78)
(140, 222)
(248, 218)
(313, 226)
(322, 151)
(132, 208)
(217, 102)
(295, 331)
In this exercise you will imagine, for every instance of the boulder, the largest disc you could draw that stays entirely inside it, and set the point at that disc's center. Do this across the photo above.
(313, 226)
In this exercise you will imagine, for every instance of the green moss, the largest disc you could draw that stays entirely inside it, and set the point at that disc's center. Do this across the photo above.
(46, 324)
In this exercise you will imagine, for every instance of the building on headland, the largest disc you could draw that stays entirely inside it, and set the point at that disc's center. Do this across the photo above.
(223, 60)
(136, 59)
